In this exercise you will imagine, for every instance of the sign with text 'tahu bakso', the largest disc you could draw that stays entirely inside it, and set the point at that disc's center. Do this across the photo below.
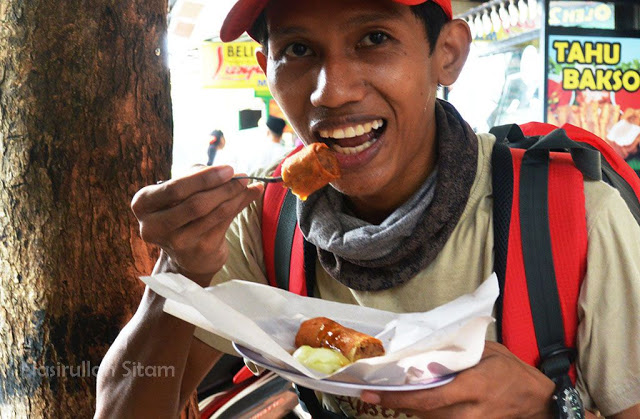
(594, 82)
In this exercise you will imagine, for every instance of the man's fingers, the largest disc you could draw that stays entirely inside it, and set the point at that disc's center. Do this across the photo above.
(465, 389)
(227, 211)
(459, 393)
(167, 194)
(193, 208)
(197, 167)
(200, 246)
(466, 395)
(204, 230)
(420, 400)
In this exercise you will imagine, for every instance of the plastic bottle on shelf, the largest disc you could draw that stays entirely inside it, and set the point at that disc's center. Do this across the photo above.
(523, 12)
(472, 26)
(487, 25)
(495, 20)
(514, 14)
(479, 26)
(533, 10)
(504, 17)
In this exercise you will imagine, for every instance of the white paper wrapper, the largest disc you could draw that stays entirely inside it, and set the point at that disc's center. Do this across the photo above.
(419, 346)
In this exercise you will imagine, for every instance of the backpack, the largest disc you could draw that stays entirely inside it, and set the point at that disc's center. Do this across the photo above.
(540, 237)
(540, 234)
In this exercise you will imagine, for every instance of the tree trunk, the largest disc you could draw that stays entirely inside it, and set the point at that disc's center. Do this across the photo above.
(85, 121)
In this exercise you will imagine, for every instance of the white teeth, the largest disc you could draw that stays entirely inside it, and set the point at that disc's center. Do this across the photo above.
(349, 132)
(353, 150)
(352, 131)
(338, 134)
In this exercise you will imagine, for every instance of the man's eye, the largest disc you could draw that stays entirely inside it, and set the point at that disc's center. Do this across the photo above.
(374, 38)
(297, 50)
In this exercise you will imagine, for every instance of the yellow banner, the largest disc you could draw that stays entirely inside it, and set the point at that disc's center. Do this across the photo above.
(233, 66)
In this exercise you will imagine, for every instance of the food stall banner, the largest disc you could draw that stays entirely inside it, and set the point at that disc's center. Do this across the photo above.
(582, 14)
(233, 66)
(594, 82)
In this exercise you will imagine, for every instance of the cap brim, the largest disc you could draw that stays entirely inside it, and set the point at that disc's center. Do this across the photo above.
(241, 17)
(444, 5)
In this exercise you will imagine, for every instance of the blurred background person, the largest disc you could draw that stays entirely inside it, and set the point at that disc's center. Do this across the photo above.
(274, 148)
(216, 142)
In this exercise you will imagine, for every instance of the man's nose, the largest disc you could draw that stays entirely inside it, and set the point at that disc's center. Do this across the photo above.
(338, 82)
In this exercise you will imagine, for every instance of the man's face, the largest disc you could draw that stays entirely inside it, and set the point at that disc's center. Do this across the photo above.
(357, 75)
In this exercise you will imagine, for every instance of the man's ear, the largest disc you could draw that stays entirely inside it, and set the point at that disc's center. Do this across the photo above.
(262, 59)
(452, 50)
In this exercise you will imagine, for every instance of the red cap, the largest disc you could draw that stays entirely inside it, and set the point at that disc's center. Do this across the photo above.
(245, 12)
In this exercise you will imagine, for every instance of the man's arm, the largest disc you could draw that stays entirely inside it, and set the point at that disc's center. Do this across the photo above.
(156, 363)
(631, 413)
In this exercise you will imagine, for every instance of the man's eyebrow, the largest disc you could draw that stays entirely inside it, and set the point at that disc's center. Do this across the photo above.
(361, 19)
(373, 17)
(287, 30)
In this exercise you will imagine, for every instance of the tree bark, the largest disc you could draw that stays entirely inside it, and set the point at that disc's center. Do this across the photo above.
(85, 121)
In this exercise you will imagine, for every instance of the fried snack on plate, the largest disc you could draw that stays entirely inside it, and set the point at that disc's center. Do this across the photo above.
(310, 169)
(321, 332)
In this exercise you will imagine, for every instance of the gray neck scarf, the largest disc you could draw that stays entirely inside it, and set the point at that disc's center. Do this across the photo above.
(370, 257)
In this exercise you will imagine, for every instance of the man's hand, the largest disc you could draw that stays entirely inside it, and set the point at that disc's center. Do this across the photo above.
(189, 216)
(500, 386)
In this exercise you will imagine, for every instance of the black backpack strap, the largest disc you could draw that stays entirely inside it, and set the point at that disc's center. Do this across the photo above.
(585, 158)
(544, 300)
(536, 247)
(502, 180)
(284, 240)
(512, 136)
(310, 258)
(285, 231)
(613, 178)
(508, 133)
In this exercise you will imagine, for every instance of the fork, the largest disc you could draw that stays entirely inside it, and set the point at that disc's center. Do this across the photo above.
(269, 179)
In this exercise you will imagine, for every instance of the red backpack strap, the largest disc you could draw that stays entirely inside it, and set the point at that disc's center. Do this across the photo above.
(279, 225)
(282, 241)
(520, 215)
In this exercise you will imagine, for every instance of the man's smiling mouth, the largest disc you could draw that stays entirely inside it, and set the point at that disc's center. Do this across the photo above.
(354, 138)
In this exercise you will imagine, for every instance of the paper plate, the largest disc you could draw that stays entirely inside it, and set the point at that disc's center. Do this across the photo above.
(327, 385)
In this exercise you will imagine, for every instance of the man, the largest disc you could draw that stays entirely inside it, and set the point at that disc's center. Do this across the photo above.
(275, 128)
(216, 142)
(362, 76)
(272, 149)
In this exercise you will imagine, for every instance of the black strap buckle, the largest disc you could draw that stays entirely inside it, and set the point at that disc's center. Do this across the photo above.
(556, 363)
